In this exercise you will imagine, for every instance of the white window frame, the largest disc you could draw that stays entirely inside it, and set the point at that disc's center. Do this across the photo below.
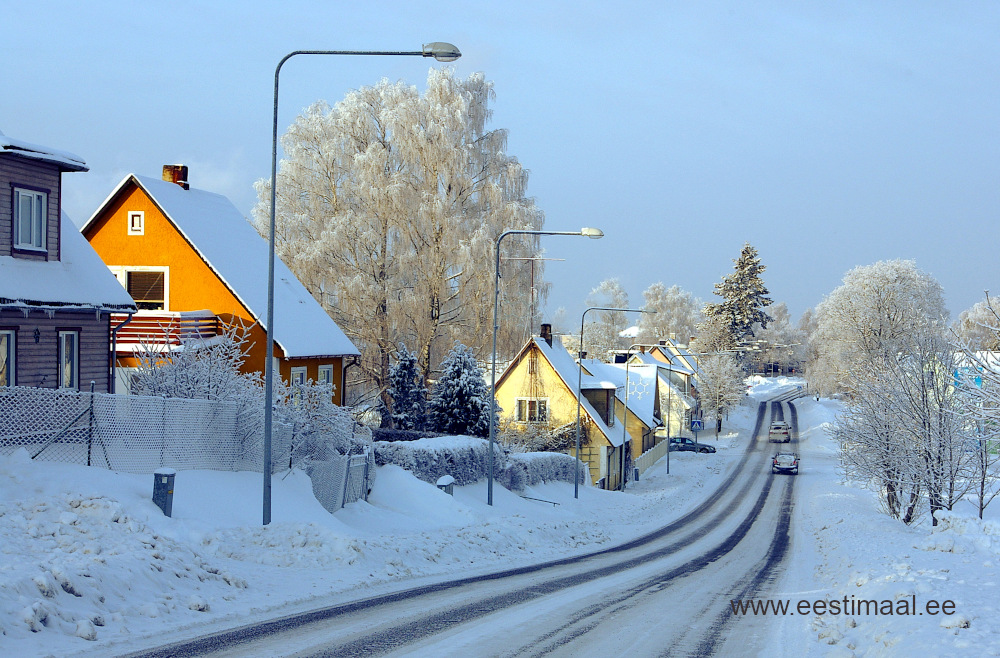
(522, 410)
(298, 376)
(38, 224)
(121, 273)
(8, 354)
(74, 363)
(326, 373)
(136, 227)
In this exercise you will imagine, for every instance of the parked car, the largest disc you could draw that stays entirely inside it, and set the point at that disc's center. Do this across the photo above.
(778, 432)
(685, 444)
(785, 462)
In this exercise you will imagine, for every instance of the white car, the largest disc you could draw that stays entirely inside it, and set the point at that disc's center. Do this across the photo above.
(778, 432)
(785, 462)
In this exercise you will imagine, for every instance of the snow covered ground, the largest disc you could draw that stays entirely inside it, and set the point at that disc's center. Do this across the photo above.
(91, 567)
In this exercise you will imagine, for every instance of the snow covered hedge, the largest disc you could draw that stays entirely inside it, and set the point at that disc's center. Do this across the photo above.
(529, 468)
(466, 459)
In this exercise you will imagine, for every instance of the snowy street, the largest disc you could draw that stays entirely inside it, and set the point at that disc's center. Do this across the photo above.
(83, 546)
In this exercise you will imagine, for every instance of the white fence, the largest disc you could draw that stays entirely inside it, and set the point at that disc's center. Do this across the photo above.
(651, 456)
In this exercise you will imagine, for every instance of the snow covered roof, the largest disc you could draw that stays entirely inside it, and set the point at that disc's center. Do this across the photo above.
(645, 358)
(566, 367)
(66, 161)
(238, 255)
(78, 280)
(641, 386)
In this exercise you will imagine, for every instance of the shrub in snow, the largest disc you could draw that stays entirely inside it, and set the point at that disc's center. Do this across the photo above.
(409, 396)
(464, 458)
(460, 402)
(385, 434)
(531, 468)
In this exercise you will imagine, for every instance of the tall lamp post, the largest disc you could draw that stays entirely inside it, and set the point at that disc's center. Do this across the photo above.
(594, 233)
(579, 387)
(442, 52)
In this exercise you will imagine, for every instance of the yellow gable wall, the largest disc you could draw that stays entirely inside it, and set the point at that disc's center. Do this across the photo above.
(192, 285)
(562, 404)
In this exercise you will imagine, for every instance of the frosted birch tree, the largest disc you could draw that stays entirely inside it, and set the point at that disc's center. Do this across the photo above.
(388, 208)
(721, 387)
(678, 314)
(602, 330)
(978, 327)
(865, 319)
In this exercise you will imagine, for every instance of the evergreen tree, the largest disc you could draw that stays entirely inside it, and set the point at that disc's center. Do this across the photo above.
(409, 397)
(460, 402)
(744, 297)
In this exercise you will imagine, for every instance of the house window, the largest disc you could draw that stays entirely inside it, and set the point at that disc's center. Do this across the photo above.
(532, 410)
(298, 375)
(147, 288)
(136, 222)
(29, 219)
(69, 359)
(326, 374)
(7, 357)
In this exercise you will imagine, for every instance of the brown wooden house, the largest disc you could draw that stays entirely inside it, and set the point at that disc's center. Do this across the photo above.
(56, 296)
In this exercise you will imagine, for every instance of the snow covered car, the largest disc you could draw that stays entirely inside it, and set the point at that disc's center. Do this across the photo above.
(778, 432)
(785, 462)
(684, 444)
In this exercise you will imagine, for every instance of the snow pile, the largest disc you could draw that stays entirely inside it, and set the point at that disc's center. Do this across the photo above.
(75, 562)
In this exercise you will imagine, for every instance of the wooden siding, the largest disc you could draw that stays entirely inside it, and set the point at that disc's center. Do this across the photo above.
(192, 284)
(34, 174)
(37, 364)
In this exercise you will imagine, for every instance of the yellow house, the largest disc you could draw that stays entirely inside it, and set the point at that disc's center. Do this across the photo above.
(192, 262)
(539, 387)
(638, 401)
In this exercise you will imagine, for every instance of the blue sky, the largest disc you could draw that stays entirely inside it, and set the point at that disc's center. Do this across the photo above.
(828, 135)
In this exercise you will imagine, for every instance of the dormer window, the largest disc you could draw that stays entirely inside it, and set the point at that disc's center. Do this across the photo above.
(30, 212)
(136, 222)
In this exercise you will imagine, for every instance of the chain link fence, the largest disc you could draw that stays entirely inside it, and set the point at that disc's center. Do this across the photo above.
(138, 434)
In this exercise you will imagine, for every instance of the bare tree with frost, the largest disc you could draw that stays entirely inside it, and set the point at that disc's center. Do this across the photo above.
(721, 387)
(678, 314)
(602, 330)
(388, 208)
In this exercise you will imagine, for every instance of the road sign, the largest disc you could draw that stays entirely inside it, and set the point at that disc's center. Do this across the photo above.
(697, 424)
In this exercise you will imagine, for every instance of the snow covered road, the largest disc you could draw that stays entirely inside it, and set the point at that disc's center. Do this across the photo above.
(667, 592)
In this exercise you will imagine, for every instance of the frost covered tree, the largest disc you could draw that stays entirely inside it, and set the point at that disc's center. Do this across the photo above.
(409, 395)
(781, 343)
(678, 313)
(979, 388)
(978, 327)
(864, 319)
(905, 431)
(720, 386)
(460, 400)
(602, 331)
(744, 297)
(389, 205)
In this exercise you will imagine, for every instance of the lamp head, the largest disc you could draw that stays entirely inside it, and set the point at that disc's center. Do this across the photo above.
(441, 51)
(593, 233)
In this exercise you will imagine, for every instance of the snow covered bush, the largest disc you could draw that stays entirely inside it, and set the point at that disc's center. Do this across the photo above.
(530, 468)
(460, 402)
(464, 458)
(406, 387)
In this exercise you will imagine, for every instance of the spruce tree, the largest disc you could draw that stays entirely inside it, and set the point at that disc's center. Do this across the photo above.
(409, 397)
(460, 402)
(744, 297)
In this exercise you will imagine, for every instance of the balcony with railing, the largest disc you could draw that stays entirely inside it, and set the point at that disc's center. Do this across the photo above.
(164, 329)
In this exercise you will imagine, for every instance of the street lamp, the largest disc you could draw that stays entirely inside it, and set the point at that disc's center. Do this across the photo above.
(579, 386)
(442, 52)
(593, 233)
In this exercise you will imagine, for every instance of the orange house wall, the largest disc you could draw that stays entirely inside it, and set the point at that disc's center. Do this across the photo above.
(192, 285)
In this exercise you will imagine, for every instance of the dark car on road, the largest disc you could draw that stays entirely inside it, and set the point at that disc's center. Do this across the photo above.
(685, 444)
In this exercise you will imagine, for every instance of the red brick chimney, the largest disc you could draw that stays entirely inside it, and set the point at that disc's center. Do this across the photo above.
(176, 174)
